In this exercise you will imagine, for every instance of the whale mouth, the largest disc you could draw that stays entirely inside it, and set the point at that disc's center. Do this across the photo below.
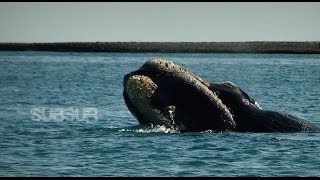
(163, 93)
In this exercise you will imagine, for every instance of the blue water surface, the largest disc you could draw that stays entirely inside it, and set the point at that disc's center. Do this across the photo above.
(113, 144)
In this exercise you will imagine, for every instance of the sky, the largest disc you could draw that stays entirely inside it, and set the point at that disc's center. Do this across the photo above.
(159, 21)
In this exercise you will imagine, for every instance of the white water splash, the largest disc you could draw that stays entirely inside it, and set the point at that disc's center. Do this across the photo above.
(154, 129)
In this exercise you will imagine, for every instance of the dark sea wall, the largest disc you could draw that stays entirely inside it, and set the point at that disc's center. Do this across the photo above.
(169, 47)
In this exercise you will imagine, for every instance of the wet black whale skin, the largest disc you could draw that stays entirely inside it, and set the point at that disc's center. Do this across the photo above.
(196, 113)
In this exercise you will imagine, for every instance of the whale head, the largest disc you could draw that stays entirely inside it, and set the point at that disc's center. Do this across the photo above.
(163, 93)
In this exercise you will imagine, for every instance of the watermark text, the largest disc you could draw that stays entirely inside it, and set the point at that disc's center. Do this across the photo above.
(57, 114)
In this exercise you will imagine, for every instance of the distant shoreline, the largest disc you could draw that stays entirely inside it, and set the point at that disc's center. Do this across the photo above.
(290, 47)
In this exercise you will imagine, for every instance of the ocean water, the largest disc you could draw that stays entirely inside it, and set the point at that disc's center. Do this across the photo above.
(62, 114)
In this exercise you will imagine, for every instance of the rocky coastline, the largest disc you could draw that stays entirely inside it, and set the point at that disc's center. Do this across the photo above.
(306, 47)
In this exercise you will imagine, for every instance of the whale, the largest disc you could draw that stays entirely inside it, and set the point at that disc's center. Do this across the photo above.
(162, 93)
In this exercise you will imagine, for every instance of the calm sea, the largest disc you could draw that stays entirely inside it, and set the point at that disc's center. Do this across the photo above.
(62, 114)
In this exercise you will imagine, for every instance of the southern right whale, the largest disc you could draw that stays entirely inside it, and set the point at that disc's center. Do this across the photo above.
(163, 93)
